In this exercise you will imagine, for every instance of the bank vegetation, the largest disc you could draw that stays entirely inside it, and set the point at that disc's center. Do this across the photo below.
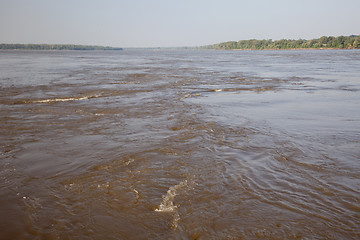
(341, 42)
(53, 47)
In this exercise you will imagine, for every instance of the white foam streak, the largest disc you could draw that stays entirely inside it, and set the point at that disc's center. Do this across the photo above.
(167, 205)
(63, 99)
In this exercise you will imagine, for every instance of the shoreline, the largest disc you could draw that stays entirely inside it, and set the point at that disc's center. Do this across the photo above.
(291, 49)
(281, 49)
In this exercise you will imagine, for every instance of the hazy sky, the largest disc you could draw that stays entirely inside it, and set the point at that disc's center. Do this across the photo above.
(163, 23)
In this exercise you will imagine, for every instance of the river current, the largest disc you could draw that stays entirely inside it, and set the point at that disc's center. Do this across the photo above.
(180, 144)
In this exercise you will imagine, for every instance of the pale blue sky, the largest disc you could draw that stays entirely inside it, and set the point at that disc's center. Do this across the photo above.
(165, 23)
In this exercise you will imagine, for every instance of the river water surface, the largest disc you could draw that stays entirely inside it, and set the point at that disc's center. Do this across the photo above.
(180, 144)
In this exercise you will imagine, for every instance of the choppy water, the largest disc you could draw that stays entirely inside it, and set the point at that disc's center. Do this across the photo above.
(180, 145)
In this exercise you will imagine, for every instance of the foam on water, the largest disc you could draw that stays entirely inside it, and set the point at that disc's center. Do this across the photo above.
(51, 100)
(167, 205)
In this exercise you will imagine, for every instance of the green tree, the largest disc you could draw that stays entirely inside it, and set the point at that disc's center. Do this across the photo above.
(356, 44)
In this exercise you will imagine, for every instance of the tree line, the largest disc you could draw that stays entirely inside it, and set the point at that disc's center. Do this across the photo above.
(341, 42)
(53, 47)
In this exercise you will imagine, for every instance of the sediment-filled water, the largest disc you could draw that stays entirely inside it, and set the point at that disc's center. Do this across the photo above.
(180, 144)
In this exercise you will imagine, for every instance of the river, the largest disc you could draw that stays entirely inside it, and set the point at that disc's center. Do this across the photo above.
(180, 144)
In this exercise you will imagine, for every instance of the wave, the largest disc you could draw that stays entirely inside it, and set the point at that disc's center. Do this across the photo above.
(167, 205)
(51, 100)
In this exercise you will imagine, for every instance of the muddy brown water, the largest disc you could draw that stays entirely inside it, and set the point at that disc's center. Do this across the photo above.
(180, 144)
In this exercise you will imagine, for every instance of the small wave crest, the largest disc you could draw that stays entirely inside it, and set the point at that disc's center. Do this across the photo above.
(51, 100)
(167, 205)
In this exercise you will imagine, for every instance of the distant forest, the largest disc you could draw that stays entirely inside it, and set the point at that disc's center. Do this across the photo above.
(341, 42)
(53, 47)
